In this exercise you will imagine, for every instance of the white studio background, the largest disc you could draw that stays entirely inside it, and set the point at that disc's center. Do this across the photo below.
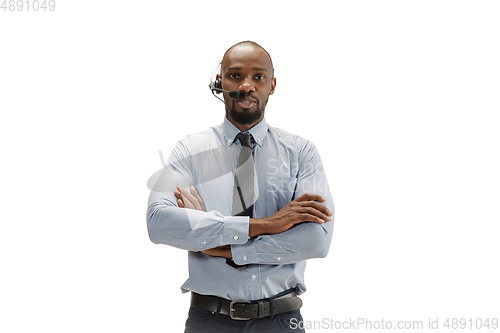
(400, 97)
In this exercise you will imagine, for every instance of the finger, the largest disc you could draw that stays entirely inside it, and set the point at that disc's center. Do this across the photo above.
(310, 196)
(318, 206)
(198, 197)
(309, 208)
(178, 194)
(187, 195)
(311, 218)
(180, 203)
(187, 203)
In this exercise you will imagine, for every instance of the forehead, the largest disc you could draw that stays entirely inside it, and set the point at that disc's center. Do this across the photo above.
(246, 57)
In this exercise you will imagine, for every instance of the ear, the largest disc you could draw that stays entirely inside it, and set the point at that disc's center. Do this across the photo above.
(273, 86)
(217, 77)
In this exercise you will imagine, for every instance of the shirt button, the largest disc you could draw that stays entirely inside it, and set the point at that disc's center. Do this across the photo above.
(279, 258)
(254, 276)
(235, 237)
(245, 258)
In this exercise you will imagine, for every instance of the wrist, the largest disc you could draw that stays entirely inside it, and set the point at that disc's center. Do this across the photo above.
(257, 227)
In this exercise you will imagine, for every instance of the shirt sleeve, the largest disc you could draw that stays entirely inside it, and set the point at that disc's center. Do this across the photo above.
(186, 228)
(303, 241)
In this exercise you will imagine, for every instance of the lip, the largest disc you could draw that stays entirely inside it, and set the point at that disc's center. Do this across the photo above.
(246, 103)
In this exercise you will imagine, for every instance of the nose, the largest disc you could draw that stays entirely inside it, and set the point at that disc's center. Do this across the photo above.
(246, 85)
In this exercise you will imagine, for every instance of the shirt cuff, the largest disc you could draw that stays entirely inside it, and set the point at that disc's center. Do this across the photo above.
(236, 229)
(244, 254)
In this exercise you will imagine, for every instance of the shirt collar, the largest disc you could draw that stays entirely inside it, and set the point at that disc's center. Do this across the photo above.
(258, 132)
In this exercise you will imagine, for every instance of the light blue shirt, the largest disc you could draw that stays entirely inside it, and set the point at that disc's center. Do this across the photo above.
(286, 166)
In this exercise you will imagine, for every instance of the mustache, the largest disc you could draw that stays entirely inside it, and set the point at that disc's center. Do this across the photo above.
(244, 96)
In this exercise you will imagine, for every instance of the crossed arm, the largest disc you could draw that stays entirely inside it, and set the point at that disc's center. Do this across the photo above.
(306, 208)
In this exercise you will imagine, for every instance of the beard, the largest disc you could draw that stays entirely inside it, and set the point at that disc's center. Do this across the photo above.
(245, 117)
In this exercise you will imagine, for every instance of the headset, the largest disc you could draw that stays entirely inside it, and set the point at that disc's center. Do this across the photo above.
(215, 86)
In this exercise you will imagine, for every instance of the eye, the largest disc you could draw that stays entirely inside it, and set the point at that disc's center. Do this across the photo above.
(260, 77)
(234, 76)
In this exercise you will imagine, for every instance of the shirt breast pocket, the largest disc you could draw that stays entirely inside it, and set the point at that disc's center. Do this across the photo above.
(279, 192)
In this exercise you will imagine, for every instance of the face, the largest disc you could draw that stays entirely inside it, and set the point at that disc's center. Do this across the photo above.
(248, 69)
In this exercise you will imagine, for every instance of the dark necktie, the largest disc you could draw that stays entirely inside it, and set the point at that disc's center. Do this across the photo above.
(243, 196)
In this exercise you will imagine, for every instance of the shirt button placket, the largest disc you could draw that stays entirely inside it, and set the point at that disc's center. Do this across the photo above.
(255, 282)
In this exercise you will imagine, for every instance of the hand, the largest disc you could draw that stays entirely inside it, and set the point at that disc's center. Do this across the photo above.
(221, 251)
(305, 208)
(191, 200)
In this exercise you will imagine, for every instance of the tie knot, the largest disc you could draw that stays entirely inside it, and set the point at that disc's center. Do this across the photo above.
(245, 139)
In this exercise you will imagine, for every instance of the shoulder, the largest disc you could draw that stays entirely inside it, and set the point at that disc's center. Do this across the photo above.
(296, 148)
(293, 141)
(200, 141)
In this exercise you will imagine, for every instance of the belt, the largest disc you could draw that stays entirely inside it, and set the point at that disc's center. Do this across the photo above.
(246, 310)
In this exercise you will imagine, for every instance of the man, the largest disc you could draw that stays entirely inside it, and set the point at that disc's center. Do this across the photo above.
(258, 207)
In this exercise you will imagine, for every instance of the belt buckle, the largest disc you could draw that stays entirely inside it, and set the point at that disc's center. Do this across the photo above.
(231, 310)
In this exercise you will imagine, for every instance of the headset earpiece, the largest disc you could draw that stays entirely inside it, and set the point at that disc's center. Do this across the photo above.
(215, 82)
(218, 84)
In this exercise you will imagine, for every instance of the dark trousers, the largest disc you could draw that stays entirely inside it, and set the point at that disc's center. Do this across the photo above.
(203, 321)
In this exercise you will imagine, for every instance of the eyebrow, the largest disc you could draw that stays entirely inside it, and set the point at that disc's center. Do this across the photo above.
(255, 69)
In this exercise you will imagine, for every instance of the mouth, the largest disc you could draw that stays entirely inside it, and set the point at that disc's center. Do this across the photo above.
(246, 103)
